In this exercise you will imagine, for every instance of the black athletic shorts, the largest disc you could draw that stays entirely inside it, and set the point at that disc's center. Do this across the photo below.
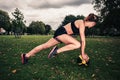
(58, 32)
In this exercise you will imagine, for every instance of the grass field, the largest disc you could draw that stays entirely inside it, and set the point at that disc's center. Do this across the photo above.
(104, 55)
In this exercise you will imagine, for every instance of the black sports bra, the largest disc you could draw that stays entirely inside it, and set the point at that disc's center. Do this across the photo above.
(74, 28)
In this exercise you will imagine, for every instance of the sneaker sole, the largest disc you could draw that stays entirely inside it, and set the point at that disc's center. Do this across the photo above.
(51, 51)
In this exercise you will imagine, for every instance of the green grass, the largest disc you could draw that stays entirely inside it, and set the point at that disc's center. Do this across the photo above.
(104, 60)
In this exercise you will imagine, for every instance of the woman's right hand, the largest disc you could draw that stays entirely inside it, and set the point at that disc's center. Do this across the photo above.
(85, 57)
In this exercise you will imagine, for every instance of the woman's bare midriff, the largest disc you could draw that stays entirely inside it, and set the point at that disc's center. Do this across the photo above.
(68, 28)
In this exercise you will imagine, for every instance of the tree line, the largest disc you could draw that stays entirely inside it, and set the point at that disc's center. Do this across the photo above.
(17, 25)
(109, 12)
(109, 18)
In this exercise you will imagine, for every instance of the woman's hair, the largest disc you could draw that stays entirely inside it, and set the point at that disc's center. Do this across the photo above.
(92, 17)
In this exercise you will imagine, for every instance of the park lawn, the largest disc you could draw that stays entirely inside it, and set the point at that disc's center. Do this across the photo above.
(104, 53)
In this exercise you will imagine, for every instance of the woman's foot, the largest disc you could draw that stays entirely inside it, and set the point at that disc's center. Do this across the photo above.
(24, 59)
(53, 52)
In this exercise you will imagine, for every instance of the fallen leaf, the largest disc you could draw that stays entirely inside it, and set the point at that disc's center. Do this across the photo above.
(93, 75)
(14, 71)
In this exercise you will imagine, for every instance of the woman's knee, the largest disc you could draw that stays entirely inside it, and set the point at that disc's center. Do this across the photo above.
(77, 45)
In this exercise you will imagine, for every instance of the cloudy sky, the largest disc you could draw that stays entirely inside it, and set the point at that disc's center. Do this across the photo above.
(51, 12)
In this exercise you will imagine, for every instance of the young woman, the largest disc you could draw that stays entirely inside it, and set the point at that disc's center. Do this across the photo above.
(63, 34)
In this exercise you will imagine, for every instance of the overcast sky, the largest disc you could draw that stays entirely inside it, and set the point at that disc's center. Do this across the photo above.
(51, 12)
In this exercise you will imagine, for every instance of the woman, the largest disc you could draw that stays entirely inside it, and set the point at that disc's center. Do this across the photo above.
(63, 34)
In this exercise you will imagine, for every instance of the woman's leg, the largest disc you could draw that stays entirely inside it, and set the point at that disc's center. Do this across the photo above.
(46, 45)
(70, 42)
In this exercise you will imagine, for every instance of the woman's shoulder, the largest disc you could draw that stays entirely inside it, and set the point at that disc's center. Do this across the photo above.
(79, 22)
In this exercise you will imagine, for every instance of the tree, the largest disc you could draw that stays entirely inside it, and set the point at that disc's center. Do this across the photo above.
(5, 21)
(109, 11)
(93, 31)
(71, 18)
(67, 19)
(80, 17)
(42, 27)
(47, 29)
(18, 23)
(37, 27)
(32, 28)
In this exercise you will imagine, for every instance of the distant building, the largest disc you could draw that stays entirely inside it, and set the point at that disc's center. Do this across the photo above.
(2, 31)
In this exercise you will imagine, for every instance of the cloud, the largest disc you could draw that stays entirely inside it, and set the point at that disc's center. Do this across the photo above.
(10, 4)
(56, 3)
(51, 12)
(40, 4)
(54, 16)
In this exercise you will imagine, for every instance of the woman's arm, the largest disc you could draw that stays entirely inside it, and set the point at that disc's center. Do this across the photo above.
(82, 36)
(83, 42)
